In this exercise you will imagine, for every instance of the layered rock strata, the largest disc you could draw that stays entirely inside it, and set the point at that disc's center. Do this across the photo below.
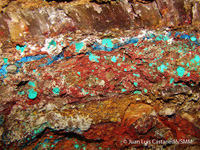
(104, 75)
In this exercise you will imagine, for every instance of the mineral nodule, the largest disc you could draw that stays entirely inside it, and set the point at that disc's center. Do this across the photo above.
(99, 74)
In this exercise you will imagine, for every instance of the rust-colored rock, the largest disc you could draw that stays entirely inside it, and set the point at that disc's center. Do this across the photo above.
(99, 75)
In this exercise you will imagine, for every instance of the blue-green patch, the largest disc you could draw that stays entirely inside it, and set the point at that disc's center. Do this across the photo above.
(84, 92)
(137, 75)
(31, 83)
(135, 84)
(114, 59)
(162, 68)
(137, 92)
(159, 38)
(79, 46)
(133, 67)
(52, 43)
(171, 80)
(188, 74)
(32, 93)
(94, 58)
(107, 43)
(76, 146)
(197, 58)
(123, 90)
(5, 60)
(21, 93)
(21, 48)
(180, 70)
(56, 90)
(193, 38)
(150, 64)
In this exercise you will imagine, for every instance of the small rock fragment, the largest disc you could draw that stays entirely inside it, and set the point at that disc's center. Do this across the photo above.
(11, 69)
(167, 112)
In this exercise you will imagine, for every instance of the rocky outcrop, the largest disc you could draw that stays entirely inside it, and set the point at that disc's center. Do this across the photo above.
(105, 75)
(22, 21)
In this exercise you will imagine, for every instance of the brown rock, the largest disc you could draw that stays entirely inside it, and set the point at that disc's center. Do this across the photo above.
(147, 14)
(11, 69)
(134, 112)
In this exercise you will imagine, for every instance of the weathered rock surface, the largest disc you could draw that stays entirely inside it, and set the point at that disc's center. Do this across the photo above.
(82, 75)
(25, 20)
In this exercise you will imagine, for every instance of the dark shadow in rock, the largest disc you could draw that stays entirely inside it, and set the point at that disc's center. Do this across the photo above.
(59, 0)
(22, 83)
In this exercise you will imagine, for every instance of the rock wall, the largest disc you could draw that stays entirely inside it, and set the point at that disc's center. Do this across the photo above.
(99, 74)
(22, 20)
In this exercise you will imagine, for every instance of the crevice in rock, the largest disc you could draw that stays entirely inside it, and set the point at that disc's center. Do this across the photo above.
(126, 110)
(7, 3)
(137, 18)
(79, 137)
(5, 7)
(101, 1)
(143, 1)
(159, 10)
(59, 0)
(22, 83)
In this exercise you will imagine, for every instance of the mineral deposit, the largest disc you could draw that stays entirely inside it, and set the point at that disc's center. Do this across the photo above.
(99, 74)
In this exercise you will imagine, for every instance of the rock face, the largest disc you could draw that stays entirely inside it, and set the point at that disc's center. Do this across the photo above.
(104, 75)
(22, 20)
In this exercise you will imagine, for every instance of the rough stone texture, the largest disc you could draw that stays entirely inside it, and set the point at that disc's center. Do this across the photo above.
(148, 15)
(22, 20)
(114, 75)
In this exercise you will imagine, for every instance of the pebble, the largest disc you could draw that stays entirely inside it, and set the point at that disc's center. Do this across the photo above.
(167, 112)
(11, 69)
